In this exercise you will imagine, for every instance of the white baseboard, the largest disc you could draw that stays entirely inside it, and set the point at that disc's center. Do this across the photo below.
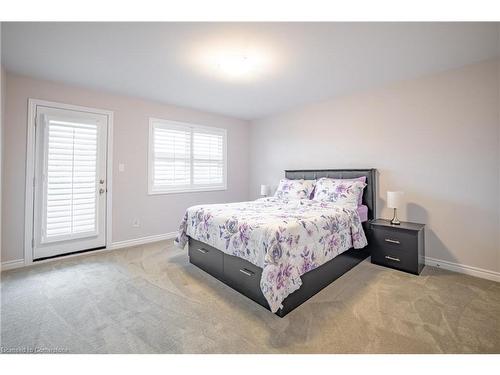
(11, 264)
(450, 266)
(461, 268)
(143, 240)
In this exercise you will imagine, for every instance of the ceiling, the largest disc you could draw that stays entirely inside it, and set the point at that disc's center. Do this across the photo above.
(299, 62)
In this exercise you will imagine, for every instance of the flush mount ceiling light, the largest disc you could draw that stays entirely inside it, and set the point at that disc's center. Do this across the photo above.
(235, 66)
(232, 63)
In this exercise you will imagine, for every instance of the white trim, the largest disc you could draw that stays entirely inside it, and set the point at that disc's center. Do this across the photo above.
(109, 182)
(450, 266)
(462, 268)
(187, 190)
(11, 264)
(30, 170)
(191, 127)
(143, 240)
(29, 190)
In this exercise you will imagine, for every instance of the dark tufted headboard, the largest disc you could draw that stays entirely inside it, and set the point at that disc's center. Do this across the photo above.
(369, 194)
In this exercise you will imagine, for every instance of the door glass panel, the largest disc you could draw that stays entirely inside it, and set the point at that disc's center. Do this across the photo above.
(71, 180)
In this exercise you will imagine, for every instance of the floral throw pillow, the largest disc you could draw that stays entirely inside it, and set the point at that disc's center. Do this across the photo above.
(339, 191)
(294, 189)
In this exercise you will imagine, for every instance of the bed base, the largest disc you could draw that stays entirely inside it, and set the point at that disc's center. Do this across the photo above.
(244, 277)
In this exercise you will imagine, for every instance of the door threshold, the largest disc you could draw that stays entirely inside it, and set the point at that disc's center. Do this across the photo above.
(71, 253)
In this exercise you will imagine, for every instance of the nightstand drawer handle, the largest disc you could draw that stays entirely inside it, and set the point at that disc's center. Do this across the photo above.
(203, 251)
(391, 258)
(392, 241)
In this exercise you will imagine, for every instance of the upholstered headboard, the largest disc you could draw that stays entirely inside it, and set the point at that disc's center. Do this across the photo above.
(369, 194)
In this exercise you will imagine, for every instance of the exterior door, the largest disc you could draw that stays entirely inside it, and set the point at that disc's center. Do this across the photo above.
(70, 181)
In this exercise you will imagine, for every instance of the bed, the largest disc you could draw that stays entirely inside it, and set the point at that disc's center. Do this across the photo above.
(274, 252)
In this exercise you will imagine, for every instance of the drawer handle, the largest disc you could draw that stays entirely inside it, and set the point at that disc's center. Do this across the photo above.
(392, 241)
(391, 258)
(247, 272)
(203, 251)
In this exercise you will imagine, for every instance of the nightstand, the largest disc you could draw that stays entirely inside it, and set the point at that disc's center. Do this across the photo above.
(398, 246)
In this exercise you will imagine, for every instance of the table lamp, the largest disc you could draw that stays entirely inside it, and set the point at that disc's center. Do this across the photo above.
(264, 190)
(394, 200)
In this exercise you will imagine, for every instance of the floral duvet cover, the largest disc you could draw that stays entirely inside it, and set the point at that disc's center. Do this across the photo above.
(286, 238)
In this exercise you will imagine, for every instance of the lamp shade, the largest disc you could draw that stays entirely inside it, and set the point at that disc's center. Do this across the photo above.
(394, 199)
(264, 189)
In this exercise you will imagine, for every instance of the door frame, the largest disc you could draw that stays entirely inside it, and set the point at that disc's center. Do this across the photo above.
(30, 170)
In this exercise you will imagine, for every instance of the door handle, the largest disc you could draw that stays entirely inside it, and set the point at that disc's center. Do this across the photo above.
(102, 191)
(203, 251)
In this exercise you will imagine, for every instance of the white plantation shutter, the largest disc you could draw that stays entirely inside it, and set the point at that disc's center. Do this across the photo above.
(172, 154)
(208, 158)
(186, 157)
(71, 177)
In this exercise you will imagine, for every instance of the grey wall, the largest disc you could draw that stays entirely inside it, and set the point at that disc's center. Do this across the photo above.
(435, 138)
(158, 214)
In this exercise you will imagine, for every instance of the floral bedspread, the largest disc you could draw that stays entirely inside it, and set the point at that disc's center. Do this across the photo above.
(286, 238)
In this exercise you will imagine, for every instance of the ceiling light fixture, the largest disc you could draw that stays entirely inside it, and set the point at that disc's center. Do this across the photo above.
(232, 59)
(231, 65)
(235, 66)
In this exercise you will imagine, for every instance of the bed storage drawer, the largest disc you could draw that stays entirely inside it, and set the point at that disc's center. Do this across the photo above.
(206, 257)
(244, 277)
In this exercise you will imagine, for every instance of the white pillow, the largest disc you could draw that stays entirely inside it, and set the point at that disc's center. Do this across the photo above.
(339, 191)
(294, 189)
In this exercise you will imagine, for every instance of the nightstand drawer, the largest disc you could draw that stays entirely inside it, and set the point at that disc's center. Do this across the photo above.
(395, 258)
(394, 239)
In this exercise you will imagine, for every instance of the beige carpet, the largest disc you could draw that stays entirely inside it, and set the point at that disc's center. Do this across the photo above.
(149, 299)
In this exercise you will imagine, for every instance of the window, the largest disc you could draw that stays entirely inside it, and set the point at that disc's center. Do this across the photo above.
(185, 157)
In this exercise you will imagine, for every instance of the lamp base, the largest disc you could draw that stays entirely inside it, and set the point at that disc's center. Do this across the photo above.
(395, 220)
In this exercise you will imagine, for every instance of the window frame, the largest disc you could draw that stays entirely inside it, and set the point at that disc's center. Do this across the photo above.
(192, 128)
